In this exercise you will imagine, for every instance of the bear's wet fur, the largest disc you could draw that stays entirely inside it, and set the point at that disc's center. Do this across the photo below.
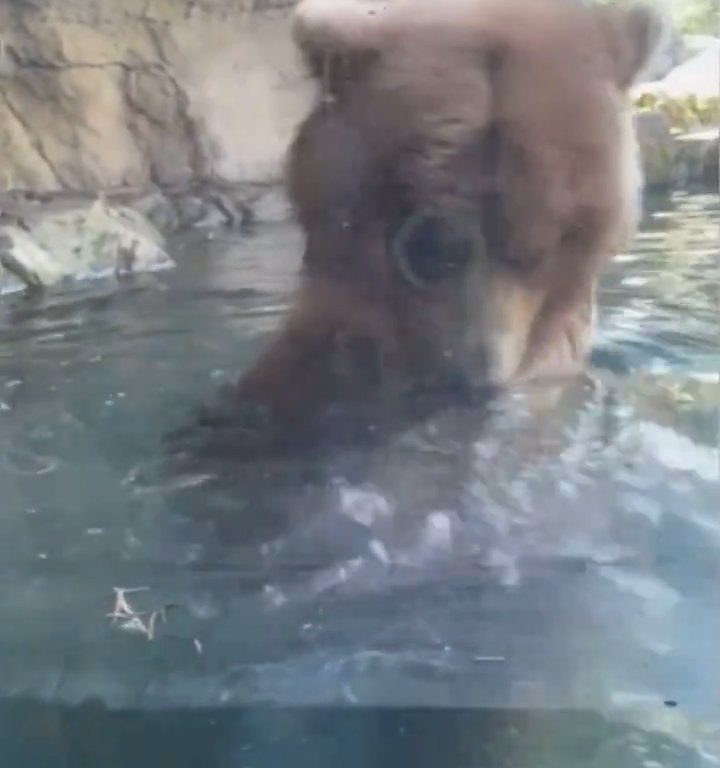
(466, 172)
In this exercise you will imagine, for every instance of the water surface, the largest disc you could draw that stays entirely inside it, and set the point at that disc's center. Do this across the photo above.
(560, 560)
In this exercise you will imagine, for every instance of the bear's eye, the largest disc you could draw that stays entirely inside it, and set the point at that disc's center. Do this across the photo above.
(427, 249)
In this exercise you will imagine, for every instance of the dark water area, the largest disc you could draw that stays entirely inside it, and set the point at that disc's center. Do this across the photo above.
(87, 736)
(540, 588)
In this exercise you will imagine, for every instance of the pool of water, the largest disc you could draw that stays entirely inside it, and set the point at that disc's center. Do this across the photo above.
(552, 568)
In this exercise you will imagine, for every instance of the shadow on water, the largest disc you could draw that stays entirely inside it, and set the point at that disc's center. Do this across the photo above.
(39, 736)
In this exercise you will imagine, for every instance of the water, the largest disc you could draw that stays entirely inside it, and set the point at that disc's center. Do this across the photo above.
(539, 588)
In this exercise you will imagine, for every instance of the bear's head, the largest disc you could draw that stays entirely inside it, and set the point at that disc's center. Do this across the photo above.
(468, 168)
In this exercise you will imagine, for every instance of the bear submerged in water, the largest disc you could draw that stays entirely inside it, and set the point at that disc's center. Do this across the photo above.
(468, 168)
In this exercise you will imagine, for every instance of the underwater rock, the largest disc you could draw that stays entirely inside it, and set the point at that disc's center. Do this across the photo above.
(94, 241)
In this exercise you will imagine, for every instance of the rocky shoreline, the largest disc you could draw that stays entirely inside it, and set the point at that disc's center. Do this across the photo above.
(678, 119)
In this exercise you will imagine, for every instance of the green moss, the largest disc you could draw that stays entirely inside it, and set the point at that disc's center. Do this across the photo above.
(685, 114)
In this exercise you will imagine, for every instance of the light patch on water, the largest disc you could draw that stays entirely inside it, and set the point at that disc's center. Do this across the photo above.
(705, 377)
(23, 463)
(634, 699)
(487, 449)
(106, 274)
(650, 713)
(361, 663)
(436, 536)
(709, 522)
(644, 506)
(658, 367)
(349, 695)
(568, 489)
(581, 546)
(177, 483)
(335, 576)
(364, 506)
(203, 607)
(506, 567)
(676, 451)
(658, 647)
(274, 597)
(380, 551)
(626, 258)
(659, 597)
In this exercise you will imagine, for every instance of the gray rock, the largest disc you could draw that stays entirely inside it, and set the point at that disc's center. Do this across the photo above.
(657, 147)
(93, 241)
(159, 210)
(698, 157)
(23, 263)
(675, 160)
(270, 205)
(191, 209)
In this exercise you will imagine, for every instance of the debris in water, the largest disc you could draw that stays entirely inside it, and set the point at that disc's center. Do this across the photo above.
(122, 608)
(130, 620)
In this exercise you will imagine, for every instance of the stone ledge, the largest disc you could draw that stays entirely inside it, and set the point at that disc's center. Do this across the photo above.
(200, 204)
(675, 159)
(48, 247)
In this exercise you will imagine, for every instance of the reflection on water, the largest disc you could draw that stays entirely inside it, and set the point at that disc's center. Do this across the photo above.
(558, 555)
(660, 301)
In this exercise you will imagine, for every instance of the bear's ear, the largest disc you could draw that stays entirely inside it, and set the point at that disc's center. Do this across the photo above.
(631, 35)
(338, 37)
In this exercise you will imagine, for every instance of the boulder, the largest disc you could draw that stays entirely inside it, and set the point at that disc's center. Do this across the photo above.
(94, 241)
(676, 159)
(678, 118)
(657, 148)
(698, 157)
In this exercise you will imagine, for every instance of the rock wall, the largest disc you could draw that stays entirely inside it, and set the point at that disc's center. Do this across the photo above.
(197, 98)
(112, 94)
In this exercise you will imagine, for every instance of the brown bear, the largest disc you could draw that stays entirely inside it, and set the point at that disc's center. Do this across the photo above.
(468, 168)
